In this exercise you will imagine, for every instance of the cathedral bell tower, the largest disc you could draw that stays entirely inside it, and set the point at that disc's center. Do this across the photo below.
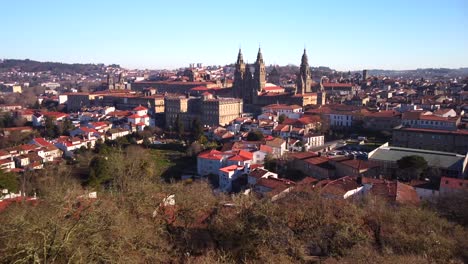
(304, 80)
(239, 77)
(259, 80)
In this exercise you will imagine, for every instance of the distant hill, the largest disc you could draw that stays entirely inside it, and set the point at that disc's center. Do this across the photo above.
(427, 72)
(55, 67)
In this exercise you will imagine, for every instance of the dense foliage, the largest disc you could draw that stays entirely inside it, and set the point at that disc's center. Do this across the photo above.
(56, 67)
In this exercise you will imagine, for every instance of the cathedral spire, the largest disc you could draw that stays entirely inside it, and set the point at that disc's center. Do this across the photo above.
(304, 81)
(240, 58)
(305, 60)
(259, 56)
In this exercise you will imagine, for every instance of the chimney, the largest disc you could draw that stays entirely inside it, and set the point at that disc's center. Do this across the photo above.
(359, 180)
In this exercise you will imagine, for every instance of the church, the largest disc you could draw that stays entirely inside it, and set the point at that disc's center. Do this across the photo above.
(255, 92)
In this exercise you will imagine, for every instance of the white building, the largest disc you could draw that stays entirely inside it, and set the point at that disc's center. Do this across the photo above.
(341, 120)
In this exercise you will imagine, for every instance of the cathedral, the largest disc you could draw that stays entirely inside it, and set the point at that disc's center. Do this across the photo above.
(255, 92)
(120, 85)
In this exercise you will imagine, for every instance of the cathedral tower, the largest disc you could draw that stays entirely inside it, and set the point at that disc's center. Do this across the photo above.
(110, 82)
(304, 81)
(259, 80)
(239, 77)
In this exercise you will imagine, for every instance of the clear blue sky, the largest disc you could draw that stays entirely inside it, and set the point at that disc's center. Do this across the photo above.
(393, 34)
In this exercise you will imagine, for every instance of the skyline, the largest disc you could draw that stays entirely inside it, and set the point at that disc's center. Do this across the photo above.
(394, 35)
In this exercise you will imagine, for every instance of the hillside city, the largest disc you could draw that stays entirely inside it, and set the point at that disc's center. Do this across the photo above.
(256, 136)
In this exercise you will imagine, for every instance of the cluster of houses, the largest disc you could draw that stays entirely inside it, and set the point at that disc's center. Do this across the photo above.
(295, 138)
(86, 130)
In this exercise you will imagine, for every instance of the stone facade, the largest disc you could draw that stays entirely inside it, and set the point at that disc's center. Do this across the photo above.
(209, 110)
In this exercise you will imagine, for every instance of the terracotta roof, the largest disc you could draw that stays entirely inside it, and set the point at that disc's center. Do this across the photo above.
(359, 164)
(382, 114)
(282, 106)
(266, 149)
(87, 129)
(337, 84)
(258, 173)
(6, 202)
(231, 168)
(140, 108)
(341, 186)
(276, 143)
(211, 154)
(274, 183)
(317, 160)
(42, 142)
(302, 155)
(395, 192)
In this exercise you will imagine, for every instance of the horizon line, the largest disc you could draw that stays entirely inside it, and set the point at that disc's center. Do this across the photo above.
(267, 65)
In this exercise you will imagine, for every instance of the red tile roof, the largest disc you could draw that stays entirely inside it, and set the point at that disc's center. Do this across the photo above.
(274, 183)
(317, 160)
(341, 186)
(6, 202)
(140, 108)
(359, 164)
(211, 154)
(337, 85)
(230, 168)
(395, 192)
(42, 142)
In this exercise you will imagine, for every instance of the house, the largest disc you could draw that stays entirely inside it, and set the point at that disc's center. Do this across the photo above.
(228, 165)
(343, 188)
(318, 167)
(425, 190)
(116, 133)
(47, 150)
(21, 161)
(290, 111)
(101, 127)
(7, 131)
(382, 120)
(86, 133)
(446, 112)
(7, 164)
(427, 120)
(209, 162)
(274, 188)
(38, 118)
(313, 140)
(278, 146)
(69, 144)
(50, 153)
(359, 187)
(26, 114)
(229, 174)
(258, 173)
(452, 185)
(4, 154)
(259, 155)
(240, 158)
(41, 142)
(354, 167)
(140, 118)
(395, 192)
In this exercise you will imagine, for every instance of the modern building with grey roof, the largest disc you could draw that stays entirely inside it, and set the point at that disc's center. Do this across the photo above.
(450, 164)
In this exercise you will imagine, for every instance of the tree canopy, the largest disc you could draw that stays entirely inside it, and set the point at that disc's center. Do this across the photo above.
(8, 181)
(255, 136)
